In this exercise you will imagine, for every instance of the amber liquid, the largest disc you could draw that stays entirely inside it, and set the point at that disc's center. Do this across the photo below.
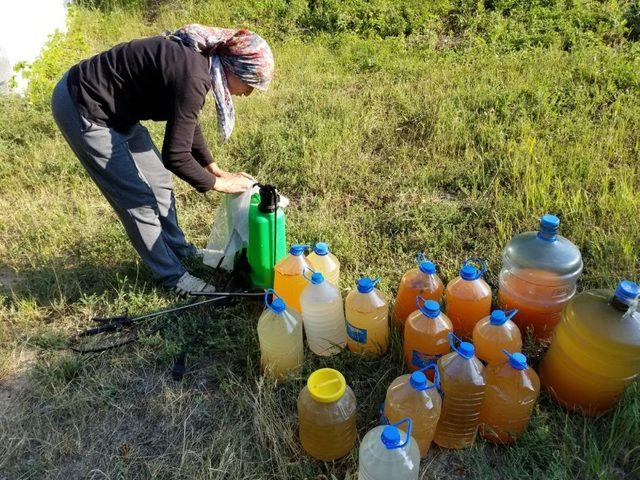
(509, 400)
(414, 283)
(464, 389)
(327, 430)
(490, 340)
(539, 306)
(290, 287)
(425, 340)
(468, 302)
(593, 354)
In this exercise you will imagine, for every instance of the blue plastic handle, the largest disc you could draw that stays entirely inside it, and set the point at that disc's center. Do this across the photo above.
(436, 376)
(304, 274)
(477, 262)
(511, 313)
(409, 427)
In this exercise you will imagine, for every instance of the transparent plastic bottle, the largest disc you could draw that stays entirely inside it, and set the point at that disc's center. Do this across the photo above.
(288, 280)
(367, 315)
(422, 281)
(322, 260)
(323, 315)
(496, 333)
(327, 415)
(280, 338)
(512, 391)
(413, 396)
(468, 298)
(386, 455)
(426, 335)
(595, 351)
(463, 389)
(539, 275)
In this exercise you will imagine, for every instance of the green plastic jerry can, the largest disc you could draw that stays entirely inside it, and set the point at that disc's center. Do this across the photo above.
(267, 236)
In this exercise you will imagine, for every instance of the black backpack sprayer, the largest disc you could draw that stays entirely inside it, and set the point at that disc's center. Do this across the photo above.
(252, 273)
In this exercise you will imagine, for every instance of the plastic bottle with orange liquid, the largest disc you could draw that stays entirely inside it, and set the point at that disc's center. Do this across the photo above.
(463, 383)
(539, 275)
(289, 281)
(496, 333)
(468, 298)
(415, 397)
(595, 351)
(367, 318)
(322, 260)
(426, 335)
(422, 281)
(512, 391)
(280, 338)
(327, 415)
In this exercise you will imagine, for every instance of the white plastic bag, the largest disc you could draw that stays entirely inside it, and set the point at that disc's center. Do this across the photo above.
(230, 230)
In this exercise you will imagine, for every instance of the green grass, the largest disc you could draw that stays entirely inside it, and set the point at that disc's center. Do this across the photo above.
(393, 126)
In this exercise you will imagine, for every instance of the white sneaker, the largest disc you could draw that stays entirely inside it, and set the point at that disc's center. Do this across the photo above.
(189, 284)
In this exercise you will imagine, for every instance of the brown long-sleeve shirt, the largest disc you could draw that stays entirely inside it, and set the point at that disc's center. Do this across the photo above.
(151, 79)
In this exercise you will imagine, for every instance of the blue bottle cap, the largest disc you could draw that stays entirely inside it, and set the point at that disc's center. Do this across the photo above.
(321, 249)
(418, 381)
(549, 222)
(317, 278)
(549, 227)
(627, 290)
(427, 267)
(517, 360)
(391, 436)
(430, 309)
(466, 350)
(297, 249)
(278, 306)
(469, 272)
(498, 317)
(366, 284)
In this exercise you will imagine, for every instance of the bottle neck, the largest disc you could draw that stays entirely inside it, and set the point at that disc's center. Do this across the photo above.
(620, 304)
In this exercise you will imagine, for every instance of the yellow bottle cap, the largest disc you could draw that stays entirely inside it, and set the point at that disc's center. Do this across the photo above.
(326, 385)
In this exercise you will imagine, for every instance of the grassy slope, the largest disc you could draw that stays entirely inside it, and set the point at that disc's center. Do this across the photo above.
(449, 139)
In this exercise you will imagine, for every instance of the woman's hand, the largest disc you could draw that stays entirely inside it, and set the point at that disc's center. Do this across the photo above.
(233, 183)
(227, 182)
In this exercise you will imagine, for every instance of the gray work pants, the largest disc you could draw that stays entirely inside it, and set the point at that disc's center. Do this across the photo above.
(127, 168)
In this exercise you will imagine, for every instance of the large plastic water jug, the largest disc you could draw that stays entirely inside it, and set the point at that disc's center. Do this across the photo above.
(539, 274)
(323, 315)
(388, 453)
(367, 315)
(267, 235)
(327, 415)
(415, 397)
(322, 260)
(512, 391)
(426, 335)
(595, 351)
(289, 281)
(468, 298)
(463, 384)
(422, 281)
(496, 333)
(280, 338)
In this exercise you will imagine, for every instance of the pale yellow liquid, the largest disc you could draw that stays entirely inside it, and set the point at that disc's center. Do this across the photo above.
(281, 346)
(368, 312)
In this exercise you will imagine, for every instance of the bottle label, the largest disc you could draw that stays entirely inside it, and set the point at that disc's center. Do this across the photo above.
(356, 334)
(423, 360)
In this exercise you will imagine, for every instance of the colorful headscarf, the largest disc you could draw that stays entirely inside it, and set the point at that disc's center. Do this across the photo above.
(241, 52)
